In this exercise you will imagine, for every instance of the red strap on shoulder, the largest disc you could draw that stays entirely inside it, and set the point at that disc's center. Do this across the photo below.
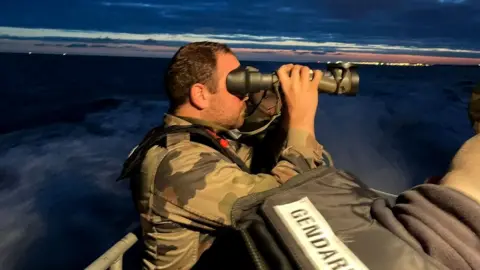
(223, 142)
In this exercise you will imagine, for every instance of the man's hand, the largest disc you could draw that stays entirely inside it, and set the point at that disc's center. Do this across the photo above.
(301, 95)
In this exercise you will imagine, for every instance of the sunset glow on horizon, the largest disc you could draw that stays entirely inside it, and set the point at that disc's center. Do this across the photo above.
(258, 54)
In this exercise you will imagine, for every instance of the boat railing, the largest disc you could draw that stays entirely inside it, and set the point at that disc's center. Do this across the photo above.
(112, 259)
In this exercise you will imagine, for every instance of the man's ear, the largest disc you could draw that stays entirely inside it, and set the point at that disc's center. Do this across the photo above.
(199, 96)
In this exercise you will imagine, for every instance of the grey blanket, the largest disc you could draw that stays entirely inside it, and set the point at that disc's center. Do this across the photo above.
(442, 222)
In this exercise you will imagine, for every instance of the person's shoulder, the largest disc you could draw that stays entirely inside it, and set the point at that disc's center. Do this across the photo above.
(183, 154)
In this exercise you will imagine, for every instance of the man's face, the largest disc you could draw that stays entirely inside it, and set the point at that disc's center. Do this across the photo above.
(226, 109)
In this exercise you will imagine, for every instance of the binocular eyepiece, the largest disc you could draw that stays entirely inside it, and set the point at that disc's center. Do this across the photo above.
(338, 79)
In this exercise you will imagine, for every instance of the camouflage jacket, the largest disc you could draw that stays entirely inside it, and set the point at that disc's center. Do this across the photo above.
(186, 190)
(474, 108)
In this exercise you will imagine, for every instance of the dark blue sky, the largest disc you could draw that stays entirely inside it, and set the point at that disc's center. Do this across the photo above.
(452, 25)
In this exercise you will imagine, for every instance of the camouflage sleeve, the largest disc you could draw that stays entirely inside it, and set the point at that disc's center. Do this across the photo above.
(301, 153)
(195, 186)
(172, 248)
(299, 141)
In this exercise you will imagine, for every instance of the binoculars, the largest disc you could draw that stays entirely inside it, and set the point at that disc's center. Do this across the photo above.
(338, 79)
(265, 98)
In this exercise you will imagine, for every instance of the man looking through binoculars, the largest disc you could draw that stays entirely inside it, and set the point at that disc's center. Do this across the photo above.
(193, 184)
(185, 182)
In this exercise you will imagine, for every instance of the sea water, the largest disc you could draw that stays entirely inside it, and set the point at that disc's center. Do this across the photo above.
(67, 124)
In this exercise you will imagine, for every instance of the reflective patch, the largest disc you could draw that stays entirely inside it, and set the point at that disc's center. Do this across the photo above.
(327, 158)
(133, 150)
(315, 237)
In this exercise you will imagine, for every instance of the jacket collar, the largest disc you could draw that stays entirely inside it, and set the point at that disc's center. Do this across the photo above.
(170, 120)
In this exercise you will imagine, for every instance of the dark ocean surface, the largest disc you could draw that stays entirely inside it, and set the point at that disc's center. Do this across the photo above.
(68, 122)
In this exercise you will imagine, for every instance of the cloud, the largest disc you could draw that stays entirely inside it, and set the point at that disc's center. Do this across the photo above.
(259, 54)
(240, 40)
(430, 23)
(205, 6)
(409, 21)
(300, 52)
(452, 1)
(77, 46)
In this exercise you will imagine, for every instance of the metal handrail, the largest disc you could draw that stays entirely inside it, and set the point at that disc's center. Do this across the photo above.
(113, 258)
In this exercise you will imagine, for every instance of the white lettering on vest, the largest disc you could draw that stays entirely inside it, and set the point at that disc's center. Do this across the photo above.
(315, 237)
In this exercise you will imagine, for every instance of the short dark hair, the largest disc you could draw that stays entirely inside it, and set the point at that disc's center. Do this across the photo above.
(193, 63)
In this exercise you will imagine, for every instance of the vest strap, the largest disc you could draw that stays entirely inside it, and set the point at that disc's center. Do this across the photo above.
(158, 136)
